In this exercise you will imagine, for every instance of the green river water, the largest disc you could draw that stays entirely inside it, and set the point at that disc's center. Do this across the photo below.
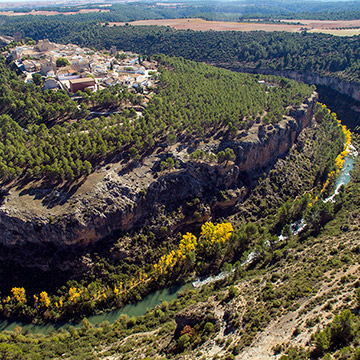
(156, 297)
(136, 309)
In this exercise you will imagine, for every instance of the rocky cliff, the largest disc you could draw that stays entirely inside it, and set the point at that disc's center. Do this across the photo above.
(119, 198)
(351, 89)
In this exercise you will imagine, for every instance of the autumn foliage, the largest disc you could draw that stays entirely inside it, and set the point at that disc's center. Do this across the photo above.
(93, 295)
(44, 299)
(19, 294)
(210, 234)
(340, 159)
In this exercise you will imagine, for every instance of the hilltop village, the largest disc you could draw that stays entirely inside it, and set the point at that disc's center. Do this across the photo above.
(72, 68)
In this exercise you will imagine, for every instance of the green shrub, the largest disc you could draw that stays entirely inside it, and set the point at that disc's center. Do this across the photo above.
(183, 342)
(209, 328)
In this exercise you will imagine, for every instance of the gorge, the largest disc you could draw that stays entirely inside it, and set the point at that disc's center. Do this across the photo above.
(121, 198)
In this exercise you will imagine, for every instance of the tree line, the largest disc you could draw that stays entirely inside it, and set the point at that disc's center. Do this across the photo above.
(234, 11)
(320, 53)
(43, 135)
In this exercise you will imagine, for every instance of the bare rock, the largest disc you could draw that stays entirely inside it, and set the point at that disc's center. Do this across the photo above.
(195, 314)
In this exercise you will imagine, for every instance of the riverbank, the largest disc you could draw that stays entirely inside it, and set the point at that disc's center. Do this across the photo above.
(137, 309)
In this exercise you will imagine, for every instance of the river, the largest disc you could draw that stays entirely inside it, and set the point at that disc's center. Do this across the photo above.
(344, 176)
(136, 309)
(171, 293)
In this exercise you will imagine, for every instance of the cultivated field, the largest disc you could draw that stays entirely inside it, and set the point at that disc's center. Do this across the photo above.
(204, 25)
(340, 28)
(335, 27)
(326, 24)
(339, 32)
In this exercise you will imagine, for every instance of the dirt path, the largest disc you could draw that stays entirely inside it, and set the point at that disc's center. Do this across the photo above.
(213, 347)
(281, 331)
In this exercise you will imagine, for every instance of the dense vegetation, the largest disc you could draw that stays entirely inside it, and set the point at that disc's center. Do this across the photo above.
(234, 11)
(340, 337)
(285, 182)
(77, 299)
(323, 54)
(36, 142)
(319, 53)
(192, 100)
(266, 287)
(46, 135)
(112, 282)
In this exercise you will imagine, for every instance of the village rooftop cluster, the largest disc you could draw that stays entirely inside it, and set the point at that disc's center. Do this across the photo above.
(72, 68)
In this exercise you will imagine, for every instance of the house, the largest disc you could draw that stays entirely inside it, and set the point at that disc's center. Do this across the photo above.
(79, 63)
(127, 80)
(47, 66)
(139, 70)
(50, 83)
(98, 70)
(148, 65)
(29, 65)
(16, 54)
(112, 80)
(81, 84)
(65, 71)
(20, 65)
(44, 45)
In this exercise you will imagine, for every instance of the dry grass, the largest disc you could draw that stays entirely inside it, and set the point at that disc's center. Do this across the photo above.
(326, 24)
(204, 25)
(339, 28)
(337, 32)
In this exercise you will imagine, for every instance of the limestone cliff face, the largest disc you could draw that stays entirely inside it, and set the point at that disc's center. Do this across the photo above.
(351, 89)
(265, 143)
(125, 200)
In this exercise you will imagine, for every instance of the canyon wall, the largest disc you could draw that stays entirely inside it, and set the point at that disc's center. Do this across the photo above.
(132, 198)
(351, 89)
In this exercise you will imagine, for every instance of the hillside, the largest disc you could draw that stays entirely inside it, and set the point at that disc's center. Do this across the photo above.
(203, 171)
(197, 149)
(302, 283)
(195, 107)
(323, 54)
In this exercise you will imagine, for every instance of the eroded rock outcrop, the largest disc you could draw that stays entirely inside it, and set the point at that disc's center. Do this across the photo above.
(196, 314)
(120, 198)
(348, 88)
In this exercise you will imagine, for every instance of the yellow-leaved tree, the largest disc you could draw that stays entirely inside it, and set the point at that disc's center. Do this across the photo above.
(44, 299)
(19, 294)
(219, 233)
